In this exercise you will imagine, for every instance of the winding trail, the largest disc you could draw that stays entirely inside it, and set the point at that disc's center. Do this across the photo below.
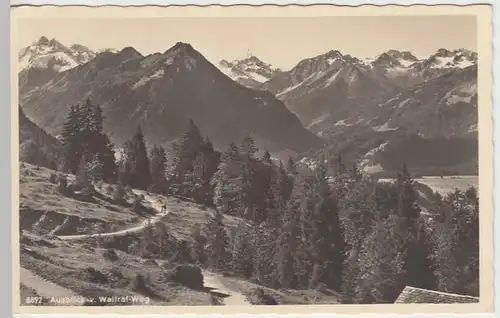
(235, 298)
(156, 204)
(48, 289)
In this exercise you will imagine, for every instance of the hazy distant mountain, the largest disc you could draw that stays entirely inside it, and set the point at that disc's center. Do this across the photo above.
(329, 86)
(44, 59)
(332, 89)
(250, 72)
(162, 92)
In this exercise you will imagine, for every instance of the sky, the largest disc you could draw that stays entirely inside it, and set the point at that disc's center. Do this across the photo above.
(282, 42)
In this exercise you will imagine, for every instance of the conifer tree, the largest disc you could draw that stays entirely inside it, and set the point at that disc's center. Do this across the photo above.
(327, 239)
(158, 162)
(243, 252)
(417, 263)
(291, 166)
(137, 158)
(456, 244)
(286, 247)
(71, 140)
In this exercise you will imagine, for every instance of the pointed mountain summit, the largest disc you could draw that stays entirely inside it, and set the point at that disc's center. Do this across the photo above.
(162, 92)
(250, 72)
(42, 60)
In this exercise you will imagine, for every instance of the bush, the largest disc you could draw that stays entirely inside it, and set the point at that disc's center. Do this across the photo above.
(119, 194)
(109, 189)
(154, 188)
(89, 190)
(128, 190)
(137, 206)
(95, 276)
(110, 254)
(139, 285)
(53, 178)
(260, 297)
(63, 187)
(188, 275)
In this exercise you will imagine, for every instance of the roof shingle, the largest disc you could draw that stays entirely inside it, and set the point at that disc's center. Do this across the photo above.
(413, 295)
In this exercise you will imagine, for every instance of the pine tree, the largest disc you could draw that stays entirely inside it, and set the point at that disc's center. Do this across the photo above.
(327, 239)
(226, 182)
(286, 247)
(158, 162)
(198, 249)
(217, 243)
(456, 242)
(418, 266)
(291, 167)
(137, 158)
(189, 147)
(243, 253)
(381, 263)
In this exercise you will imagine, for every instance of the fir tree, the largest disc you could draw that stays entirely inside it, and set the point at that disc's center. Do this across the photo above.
(418, 266)
(243, 253)
(327, 239)
(286, 247)
(217, 243)
(137, 158)
(71, 140)
(158, 162)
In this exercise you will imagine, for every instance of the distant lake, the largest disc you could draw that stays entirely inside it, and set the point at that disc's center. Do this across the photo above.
(446, 184)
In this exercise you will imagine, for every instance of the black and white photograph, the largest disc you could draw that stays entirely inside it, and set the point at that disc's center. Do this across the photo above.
(250, 160)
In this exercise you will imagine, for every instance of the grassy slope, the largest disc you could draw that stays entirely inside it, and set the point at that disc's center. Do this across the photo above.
(81, 266)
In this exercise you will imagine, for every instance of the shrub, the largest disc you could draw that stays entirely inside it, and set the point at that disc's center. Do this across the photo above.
(260, 297)
(154, 188)
(137, 206)
(110, 254)
(95, 276)
(188, 275)
(109, 189)
(119, 194)
(89, 190)
(139, 284)
(63, 187)
(128, 189)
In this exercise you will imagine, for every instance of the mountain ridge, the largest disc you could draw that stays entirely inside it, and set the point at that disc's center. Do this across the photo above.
(178, 85)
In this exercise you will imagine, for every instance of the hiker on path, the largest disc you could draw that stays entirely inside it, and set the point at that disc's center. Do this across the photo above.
(164, 208)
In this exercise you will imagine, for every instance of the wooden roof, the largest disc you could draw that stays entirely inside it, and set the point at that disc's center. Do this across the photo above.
(413, 295)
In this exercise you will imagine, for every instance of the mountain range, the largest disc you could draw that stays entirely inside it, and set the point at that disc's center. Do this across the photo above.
(44, 59)
(386, 100)
(162, 92)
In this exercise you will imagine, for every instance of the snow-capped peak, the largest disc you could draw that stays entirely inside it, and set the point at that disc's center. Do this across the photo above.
(51, 54)
(444, 58)
(393, 59)
(250, 71)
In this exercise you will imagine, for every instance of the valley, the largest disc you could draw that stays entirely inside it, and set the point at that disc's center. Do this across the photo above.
(168, 179)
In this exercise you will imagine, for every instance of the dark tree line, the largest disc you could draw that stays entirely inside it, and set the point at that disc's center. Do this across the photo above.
(87, 150)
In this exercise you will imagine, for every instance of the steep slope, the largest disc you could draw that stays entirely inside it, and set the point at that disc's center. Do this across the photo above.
(444, 106)
(250, 72)
(162, 92)
(35, 145)
(332, 90)
(44, 59)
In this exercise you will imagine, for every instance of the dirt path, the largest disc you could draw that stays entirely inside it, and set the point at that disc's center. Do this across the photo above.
(155, 204)
(47, 289)
(235, 298)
